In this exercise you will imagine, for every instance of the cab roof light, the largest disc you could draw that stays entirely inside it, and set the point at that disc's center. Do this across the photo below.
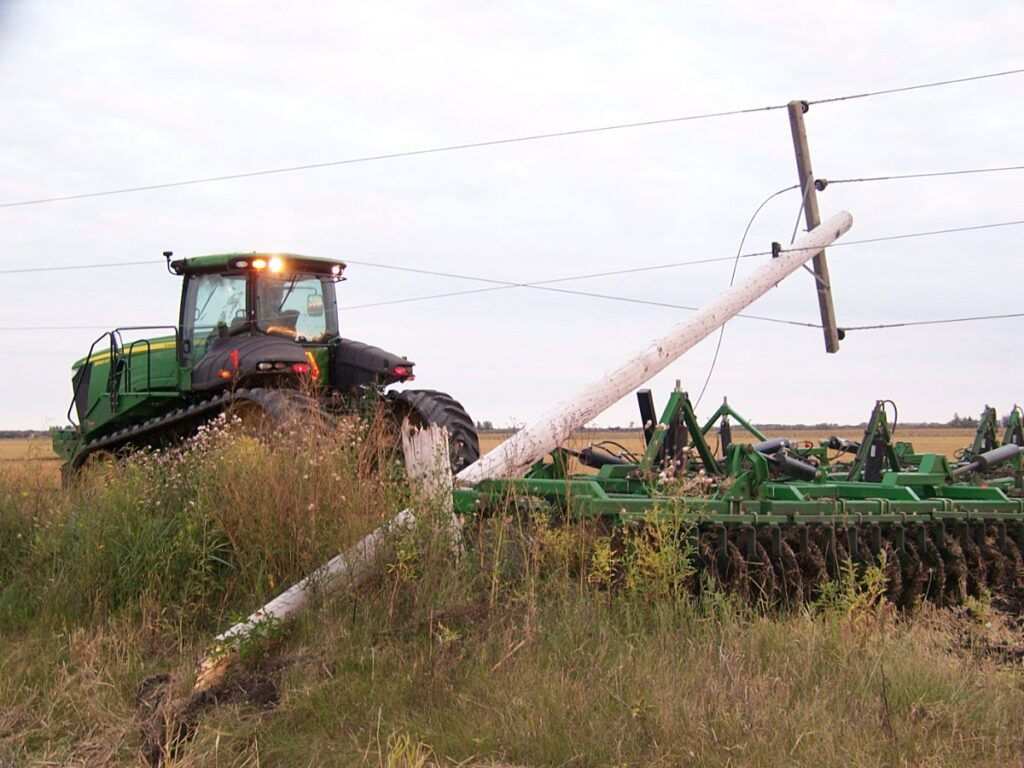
(276, 264)
(259, 263)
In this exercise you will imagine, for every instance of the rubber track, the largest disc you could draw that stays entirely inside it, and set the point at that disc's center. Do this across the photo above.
(280, 404)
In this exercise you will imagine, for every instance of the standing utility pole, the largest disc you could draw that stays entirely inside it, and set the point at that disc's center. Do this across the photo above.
(810, 198)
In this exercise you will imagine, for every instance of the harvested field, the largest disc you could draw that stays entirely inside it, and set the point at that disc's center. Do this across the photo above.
(36, 455)
(945, 440)
(20, 449)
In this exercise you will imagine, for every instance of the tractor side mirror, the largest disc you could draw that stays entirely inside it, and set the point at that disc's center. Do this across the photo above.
(315, 305)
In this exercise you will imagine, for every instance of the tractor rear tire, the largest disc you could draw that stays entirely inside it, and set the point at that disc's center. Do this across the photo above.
(425, 407)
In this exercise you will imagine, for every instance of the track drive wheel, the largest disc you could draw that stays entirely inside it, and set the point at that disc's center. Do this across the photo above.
(258, 409)
(427, 406)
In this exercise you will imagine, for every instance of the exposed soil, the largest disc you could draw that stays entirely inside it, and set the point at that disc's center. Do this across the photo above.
(166, 722)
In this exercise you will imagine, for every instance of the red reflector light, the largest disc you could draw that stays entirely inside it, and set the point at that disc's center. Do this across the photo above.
(225, 374)
(301, 367)
(400, 370)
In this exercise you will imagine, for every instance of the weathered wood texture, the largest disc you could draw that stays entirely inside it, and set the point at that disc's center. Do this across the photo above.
(429, 468)
(813, 219)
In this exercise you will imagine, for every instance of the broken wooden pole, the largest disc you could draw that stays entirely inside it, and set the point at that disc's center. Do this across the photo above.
(429, 468)
(345, 570)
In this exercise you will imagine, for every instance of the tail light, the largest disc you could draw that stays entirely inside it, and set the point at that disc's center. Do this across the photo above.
(301, 368)
(314, 369)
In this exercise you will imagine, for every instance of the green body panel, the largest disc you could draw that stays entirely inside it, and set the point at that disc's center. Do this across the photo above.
(146, 377)
(150, 381)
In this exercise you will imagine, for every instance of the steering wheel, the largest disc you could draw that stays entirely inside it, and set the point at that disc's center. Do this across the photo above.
(285, 324)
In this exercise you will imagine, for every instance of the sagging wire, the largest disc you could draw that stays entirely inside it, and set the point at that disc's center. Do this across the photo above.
(732, 277)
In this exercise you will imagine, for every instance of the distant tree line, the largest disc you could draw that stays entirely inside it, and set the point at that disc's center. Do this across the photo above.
(962, 421)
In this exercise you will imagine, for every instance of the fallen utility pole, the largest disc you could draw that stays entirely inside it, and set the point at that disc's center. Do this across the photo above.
(813, 219)
(514, 456)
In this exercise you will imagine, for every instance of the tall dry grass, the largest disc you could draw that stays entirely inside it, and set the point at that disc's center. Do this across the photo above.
(538, 645)
(202, 529)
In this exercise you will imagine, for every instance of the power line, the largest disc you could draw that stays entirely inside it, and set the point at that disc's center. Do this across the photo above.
(917, 87)
(391, 156)
(732, 277)
(927, 233)
(652, 303)
(975, 318)
(927, 175)
(825, 182)
(78, 266)
(847, 328)
(486, 143)
(449, 294)
(542, 285)
(495, 285)
(569, 278)
(419, 271)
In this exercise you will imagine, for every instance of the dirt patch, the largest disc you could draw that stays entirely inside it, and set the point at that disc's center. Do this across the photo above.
(167, 722)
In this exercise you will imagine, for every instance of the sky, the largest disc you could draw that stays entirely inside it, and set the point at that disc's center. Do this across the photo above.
(104, 94)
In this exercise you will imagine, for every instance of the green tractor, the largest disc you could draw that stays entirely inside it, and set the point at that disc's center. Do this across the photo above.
(256, 333)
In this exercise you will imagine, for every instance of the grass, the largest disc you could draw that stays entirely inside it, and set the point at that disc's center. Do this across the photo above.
(519, 652)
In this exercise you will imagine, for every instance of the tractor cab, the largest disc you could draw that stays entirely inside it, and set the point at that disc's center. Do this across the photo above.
(255, 295)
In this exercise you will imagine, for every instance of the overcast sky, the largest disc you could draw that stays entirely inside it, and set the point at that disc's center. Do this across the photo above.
(99, 95)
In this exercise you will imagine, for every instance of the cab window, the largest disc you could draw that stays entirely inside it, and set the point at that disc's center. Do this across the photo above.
(294, 306)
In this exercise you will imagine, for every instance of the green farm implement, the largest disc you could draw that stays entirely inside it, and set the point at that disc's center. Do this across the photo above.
(774, 520)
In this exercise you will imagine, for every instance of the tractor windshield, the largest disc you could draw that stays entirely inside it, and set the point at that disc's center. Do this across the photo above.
(294, 305)
(299, 306)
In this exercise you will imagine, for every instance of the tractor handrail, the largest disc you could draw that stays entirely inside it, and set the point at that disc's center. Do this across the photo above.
(88, 359)
(149, 364)
(116, 333)
(115, 344)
